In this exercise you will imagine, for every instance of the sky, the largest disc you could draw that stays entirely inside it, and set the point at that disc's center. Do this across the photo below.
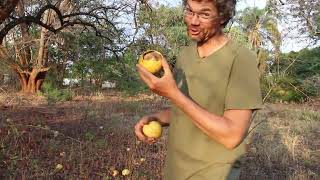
(289, 44)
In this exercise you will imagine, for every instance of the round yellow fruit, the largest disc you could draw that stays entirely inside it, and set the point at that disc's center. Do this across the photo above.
(152, 130)
(126, 172)
(151, 60)
(59, 167)
(115, 173)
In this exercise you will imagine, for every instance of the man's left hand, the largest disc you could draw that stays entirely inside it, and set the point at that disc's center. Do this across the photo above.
(164, 86)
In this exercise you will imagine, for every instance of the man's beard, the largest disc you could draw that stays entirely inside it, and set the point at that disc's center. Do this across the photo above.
(202, 39)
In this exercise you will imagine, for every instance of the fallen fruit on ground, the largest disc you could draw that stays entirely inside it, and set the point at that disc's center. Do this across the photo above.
(153, 129)
(126, 172)
(59, 167)
(115, 173)
(151, 60)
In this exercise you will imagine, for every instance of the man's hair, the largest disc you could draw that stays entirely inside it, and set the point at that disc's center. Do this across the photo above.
(226, 8)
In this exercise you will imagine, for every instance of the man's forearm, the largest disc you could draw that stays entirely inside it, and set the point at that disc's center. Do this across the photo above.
(216, 127)
(163, 116)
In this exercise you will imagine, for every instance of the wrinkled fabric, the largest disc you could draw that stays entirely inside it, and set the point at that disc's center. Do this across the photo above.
(227, 79)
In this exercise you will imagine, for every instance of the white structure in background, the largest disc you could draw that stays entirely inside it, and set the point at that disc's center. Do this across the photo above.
(76, 82)
(108, 84)
(70, 82)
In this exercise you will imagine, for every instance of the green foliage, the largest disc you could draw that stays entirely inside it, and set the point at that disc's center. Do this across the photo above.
(281, 88)
(238, 35)
(311, 86)
(89, 136)
(93, 61)
(164, 30)
(249, 17)
(308, 63)
(299, 78)
(130, 82)
(261, 29)
(132, 87)
(53, 94)
(52, 78)
(287, 88)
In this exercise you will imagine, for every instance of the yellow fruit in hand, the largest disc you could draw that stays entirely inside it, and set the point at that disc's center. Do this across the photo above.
(151, 60)
(152, 130)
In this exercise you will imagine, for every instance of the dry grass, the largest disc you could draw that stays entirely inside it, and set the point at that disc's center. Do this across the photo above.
(285, 144)
(92, 136)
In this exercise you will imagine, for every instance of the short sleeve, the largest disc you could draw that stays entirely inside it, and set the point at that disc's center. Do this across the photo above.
(243, 90)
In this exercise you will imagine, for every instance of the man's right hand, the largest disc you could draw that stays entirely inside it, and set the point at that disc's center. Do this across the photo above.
(163, 117)
(138, 129)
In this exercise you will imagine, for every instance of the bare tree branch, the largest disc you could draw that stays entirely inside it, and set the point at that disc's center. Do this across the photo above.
(65, 20)
(6, 7)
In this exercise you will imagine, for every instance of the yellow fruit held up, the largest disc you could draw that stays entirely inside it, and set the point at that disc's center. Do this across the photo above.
(152, 130)
(151, 60)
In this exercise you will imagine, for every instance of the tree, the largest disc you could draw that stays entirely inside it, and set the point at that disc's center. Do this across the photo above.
(262, 30)
(307, 12)
(163, 29)
(90, 60)
(303, 64)
(6, 7)
(31, 30)
(302, 16)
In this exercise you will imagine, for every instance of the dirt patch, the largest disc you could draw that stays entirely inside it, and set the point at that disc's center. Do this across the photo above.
(92, 138)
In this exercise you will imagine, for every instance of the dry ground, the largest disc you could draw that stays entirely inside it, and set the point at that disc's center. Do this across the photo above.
(92, 136)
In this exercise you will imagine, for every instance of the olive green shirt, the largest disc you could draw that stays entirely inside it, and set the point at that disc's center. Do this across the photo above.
(227, 79)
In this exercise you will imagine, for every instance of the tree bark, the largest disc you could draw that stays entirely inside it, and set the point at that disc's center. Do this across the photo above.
(6, 8)
(31, 83)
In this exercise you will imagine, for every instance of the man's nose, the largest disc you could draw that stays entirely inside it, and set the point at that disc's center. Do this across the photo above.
(195, 19)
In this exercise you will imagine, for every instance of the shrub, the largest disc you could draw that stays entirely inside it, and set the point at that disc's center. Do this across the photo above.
(311, 85)
(131, 87)
(53, 94)
(282, 88)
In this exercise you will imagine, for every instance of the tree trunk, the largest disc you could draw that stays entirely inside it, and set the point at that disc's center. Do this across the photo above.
(31, 71)
(31, 82)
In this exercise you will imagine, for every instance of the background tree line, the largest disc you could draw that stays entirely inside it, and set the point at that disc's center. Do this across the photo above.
(44, 42)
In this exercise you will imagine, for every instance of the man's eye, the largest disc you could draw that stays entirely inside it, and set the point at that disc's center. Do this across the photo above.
(205, 15)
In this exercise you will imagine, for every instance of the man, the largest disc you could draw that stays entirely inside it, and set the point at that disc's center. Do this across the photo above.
(214, 90)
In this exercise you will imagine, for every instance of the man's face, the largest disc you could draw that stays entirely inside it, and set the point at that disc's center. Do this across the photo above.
(202, 20)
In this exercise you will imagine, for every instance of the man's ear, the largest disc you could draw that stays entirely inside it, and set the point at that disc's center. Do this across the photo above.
(222, 21)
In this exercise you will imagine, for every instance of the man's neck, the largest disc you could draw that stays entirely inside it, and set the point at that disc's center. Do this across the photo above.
(211, 45)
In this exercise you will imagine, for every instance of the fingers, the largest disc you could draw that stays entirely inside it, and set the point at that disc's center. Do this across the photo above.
(165, 65)
(138, 131)
(151, 140)
(144, 79)
(147, 77)
(143, 71)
